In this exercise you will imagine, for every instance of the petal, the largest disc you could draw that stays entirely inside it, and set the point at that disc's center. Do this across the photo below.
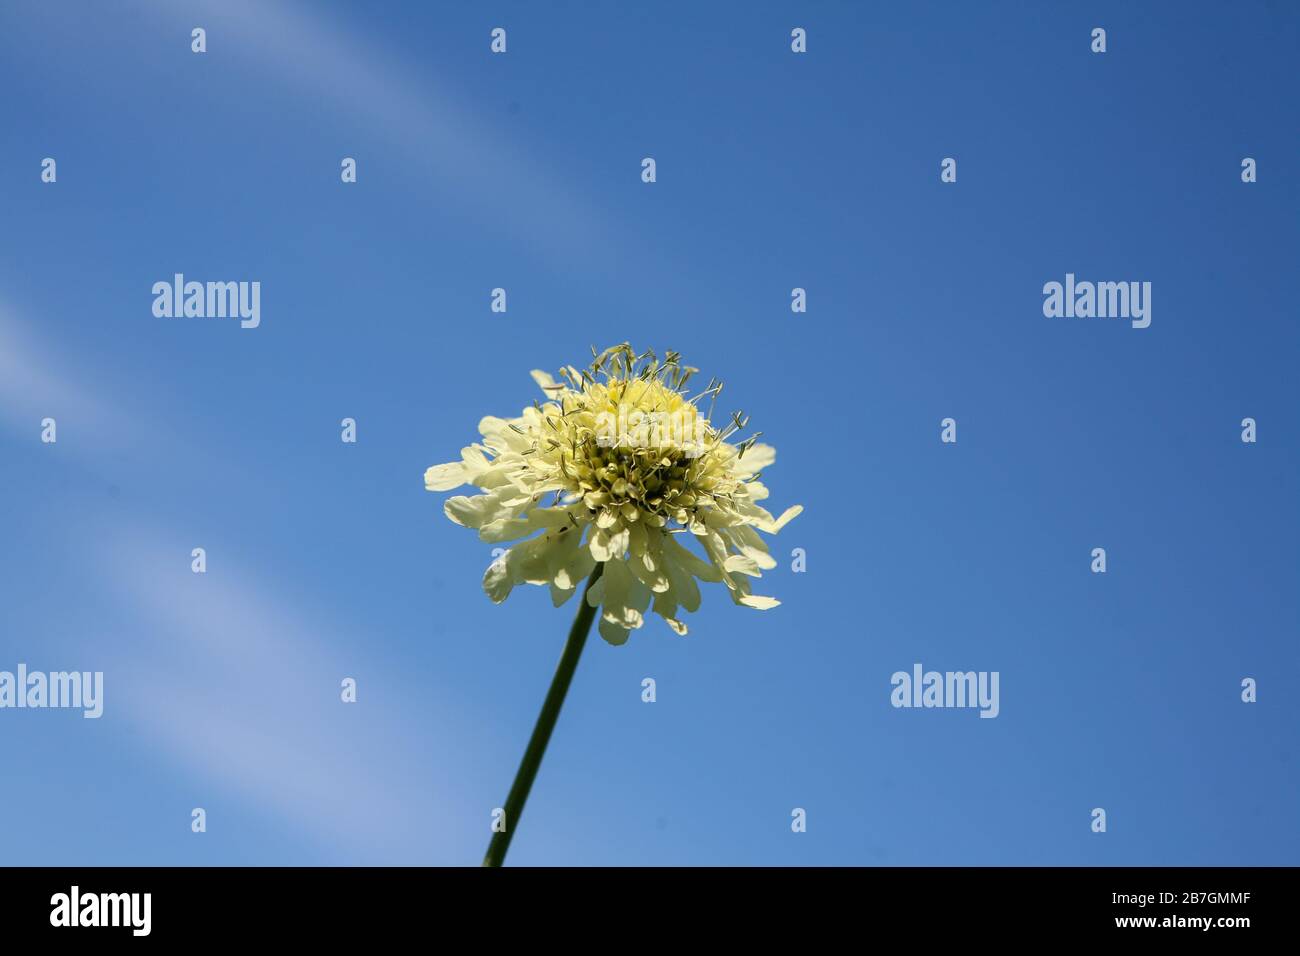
(607, 545)
(666, 607)
(684, 589)
(688, 560)
(445, 477)
(497, 580)
(612, 633)
(625, 598)
(560, 595)
(787, 516)
(475, 511)
(508, 528)
(742, 564)
(547, 383)
(758, 457)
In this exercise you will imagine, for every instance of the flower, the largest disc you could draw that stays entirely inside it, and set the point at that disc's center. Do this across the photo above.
(635, 469)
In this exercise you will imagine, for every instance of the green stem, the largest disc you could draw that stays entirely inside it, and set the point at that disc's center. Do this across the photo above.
(514, 807)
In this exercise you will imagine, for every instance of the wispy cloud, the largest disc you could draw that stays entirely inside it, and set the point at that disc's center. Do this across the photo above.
(33, 386)
(241, 689)
(466, 161)
(228, 680)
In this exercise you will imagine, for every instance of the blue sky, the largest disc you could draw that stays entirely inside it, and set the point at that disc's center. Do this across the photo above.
(774, 170)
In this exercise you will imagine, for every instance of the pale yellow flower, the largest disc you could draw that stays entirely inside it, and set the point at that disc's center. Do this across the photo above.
(633, 469)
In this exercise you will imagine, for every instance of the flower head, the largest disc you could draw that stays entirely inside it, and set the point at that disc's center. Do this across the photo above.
(632, 469)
